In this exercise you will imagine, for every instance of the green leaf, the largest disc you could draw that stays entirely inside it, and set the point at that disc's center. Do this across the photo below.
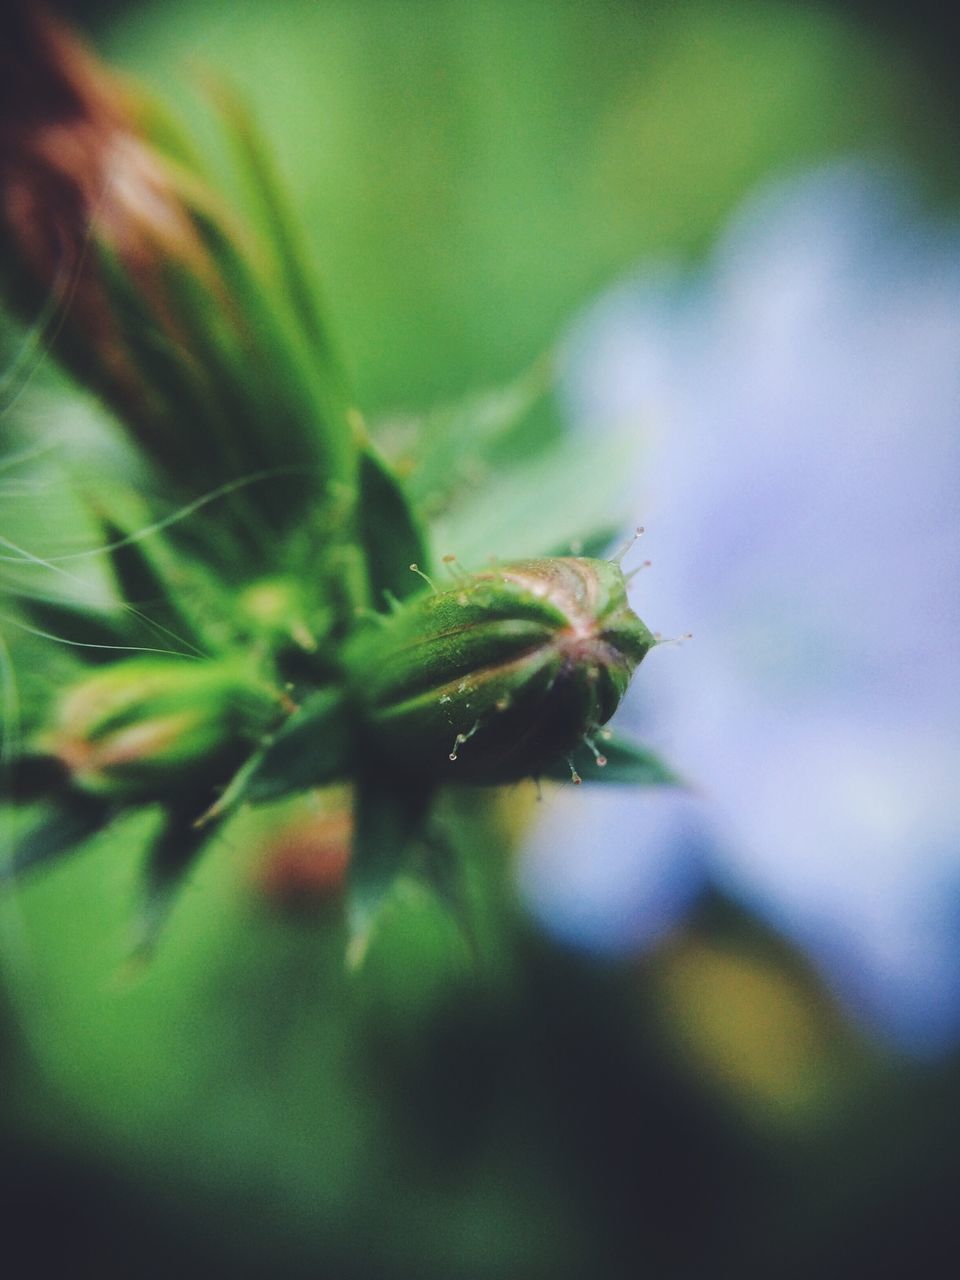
(595, 545)
(389, 817)
(454, 444)
(166, 133)
(298, 277)
(298, 401)
(441, 866)
(142, 588)
(34, 341)
(389, 532)
(75, 818)
(231, 405)
(313, 748)
(179, 422)
(171, 421)
(627, 763)
(32, 776)
(169, 859)
(580, 486)
(259, 424)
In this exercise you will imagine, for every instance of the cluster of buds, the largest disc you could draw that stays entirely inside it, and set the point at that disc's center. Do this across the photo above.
(217, 363)
(490, 682)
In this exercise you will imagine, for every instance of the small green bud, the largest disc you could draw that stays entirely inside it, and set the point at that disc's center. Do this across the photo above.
(497, 678)
(146, 726)
(275, 611)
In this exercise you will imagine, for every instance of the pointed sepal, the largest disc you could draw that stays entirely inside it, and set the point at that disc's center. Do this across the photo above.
(169, 860)
(614, 759)
(389, 532)
(73, 820)
(390, 816)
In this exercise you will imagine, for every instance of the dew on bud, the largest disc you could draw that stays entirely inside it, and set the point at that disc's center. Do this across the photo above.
(537, 653)
(461, 738)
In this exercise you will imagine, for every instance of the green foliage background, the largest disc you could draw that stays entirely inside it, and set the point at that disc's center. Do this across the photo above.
(471, 173)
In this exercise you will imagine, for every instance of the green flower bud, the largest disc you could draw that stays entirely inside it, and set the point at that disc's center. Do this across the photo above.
(146, 726)
(497, 678)
(275, 611)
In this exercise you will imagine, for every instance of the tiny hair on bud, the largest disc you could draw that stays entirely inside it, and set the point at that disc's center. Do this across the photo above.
(631, 541)
(415, 568)
(644, 564)
(455, 568)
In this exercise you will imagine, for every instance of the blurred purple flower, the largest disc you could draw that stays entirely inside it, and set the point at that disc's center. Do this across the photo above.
(800, 401)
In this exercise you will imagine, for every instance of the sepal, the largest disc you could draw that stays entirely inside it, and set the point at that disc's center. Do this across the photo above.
(389, 817)
(74, 819)
(614, 759)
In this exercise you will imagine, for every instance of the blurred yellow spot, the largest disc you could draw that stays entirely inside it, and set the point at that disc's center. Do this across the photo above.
(756, 1028)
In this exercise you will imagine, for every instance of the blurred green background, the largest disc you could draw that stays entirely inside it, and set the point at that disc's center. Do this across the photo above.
(470, 174)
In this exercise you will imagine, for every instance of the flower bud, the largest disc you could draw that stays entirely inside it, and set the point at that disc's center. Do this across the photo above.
(142, 283)
(497, 678)
(76, 175)
(146, 726)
